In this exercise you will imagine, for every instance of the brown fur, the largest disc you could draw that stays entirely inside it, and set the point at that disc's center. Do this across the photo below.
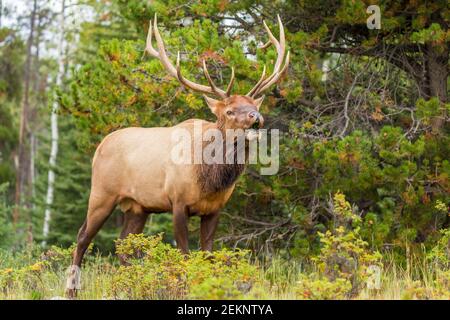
(218, 177)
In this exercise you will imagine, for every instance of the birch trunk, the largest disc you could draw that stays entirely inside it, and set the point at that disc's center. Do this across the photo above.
(54, 131)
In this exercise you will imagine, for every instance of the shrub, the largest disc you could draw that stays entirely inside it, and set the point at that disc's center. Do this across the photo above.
(440, 253)
(57, 257)
(27, 276)
(439, 290)
(344, 257)
(314, 287)
(163, 272)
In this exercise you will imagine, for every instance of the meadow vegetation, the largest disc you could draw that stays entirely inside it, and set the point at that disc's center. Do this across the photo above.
(343, 269)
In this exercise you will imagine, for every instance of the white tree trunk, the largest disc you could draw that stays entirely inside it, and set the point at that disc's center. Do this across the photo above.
(54, 130)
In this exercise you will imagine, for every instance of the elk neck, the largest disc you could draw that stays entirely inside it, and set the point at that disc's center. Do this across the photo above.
(214, 178)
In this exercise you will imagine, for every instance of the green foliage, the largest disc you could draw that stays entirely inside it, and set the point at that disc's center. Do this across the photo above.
(11, 65)
(38, 274)
(434, 34)
(162, 272)
(6, 227)
(440, 253)
(344, 259)
(426, 110)
(313, 287)
(389, 177)
(71, 189)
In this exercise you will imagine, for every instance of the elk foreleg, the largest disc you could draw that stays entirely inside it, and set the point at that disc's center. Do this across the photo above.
(180, 228)
(208, 226)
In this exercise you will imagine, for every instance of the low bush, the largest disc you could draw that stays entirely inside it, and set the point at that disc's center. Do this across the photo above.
(344, 262)
(156, 270)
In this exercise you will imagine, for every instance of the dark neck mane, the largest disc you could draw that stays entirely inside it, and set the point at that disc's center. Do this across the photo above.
(218, 177)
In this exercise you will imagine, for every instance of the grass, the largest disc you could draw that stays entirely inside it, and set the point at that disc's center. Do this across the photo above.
(277, 279)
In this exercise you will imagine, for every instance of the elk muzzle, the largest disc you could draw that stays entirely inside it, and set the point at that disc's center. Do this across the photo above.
(257, 120)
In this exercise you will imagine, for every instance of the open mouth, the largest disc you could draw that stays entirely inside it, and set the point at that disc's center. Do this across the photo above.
(255, 125)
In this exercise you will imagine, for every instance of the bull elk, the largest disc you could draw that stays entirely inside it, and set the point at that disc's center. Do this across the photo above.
(132, 167)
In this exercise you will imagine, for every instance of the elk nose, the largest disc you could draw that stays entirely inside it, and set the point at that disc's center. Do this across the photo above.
(254, 115)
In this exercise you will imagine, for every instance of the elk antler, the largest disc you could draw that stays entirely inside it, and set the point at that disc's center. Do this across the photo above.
(278, 70)
(176, 72)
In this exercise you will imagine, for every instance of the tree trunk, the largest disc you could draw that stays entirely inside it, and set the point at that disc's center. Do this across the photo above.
(435, 65)
(54, 130)
(32, 124)
(436, 60)
(23, 166)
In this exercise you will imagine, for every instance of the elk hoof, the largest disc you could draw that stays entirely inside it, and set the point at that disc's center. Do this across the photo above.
(71, 294)
(73, 283)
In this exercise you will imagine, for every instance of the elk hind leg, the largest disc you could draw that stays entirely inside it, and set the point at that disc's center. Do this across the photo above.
(100, 208)
(134, 223)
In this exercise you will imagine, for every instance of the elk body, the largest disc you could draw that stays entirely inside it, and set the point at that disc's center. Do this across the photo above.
(132, 167)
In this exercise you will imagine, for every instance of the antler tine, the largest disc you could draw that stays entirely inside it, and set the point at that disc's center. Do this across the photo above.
(176, 71)
(258, 84)
(148, 46)
(280, 47)
(162, 51)
(266, 45)
(231, 83)
(185, 82)
(276, 76)
(211, 82)
(282, 43)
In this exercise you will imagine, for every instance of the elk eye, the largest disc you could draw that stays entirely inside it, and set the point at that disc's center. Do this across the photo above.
(229, 112)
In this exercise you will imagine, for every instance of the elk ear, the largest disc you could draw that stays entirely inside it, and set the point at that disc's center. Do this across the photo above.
(259, 102)
(213, 104)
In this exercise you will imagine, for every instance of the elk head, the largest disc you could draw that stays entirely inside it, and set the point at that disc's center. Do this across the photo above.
(232, 111)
